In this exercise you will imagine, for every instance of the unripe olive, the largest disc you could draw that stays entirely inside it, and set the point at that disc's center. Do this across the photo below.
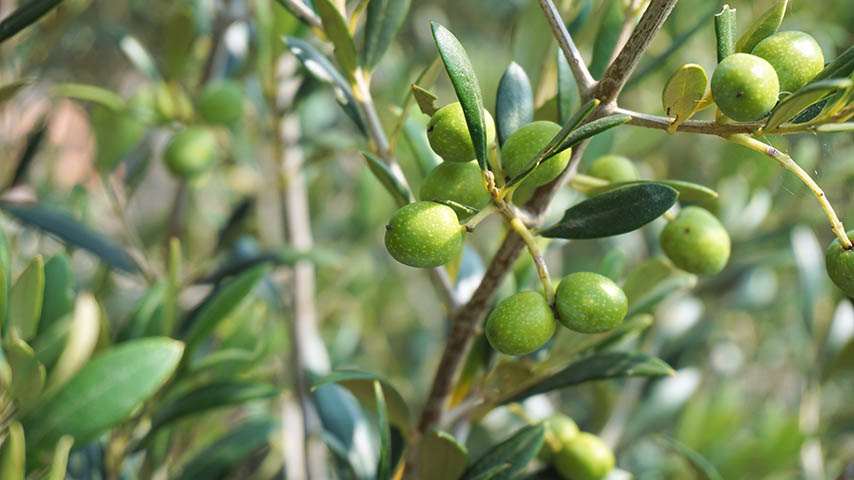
(523, 145)
(460, 182)
(696, 241)
(586, 457)
(424, 234)
(745, 87)
(560, 429)
(520, 324)
(614, 168)
(449, 136)
(795, 56)
(840, 265)
(587, 302)
(222, 102)
(191, 151)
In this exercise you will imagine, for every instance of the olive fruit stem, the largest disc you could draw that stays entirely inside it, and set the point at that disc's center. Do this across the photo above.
(537, 255)
(786, 162)
(584, 183)
(484, 212)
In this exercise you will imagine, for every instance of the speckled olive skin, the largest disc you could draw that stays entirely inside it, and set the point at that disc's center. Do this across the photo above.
(191, 151)
(424, 235)
(840, 265)
(795, 56)
(696, 242)
(745, 87)
(587, 302)
(586, 457)
(523, 145)
(520, 324)
(460, 182)
(448, 133)
(614, 168)
(221, 102)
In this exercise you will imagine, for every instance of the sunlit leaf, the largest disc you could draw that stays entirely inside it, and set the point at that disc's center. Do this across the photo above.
(82, 338)
(91, 93)
(13, 453)
(514, 105)
(683, 93)
(765, 26)
(335, 27)
(384, 18)
(28, 373)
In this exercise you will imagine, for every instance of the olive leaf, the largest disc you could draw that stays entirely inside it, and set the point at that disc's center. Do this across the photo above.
(653, 281)
(82, 338)
(702, 466)
(415, 136)
(725, 32)
(338, 32)
(509, 457)
(361, 385)
(13, 453)
(59, 462)
(11, 89)
(799, 101)
(441, 456)
(841, 66)
(92, 93)
(607, 37)
(384, 469)
(28, 374)
(398, 191)
(24, 16)
(26, 299)
(139, 56)
(567, 90)
(58, 298)
(425, 99)
(688, 192)
(215, 460)
(765, 26)
(514, 104)
(683, 93)
(383, 22)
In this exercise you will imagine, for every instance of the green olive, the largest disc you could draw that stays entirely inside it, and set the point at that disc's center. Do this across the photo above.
(614, 168)
(424, 234)
(795, 56)
(587, 302)
(696, 241)
(586, 457)
(560, 429)
(449, 136)
(191, 151)
(222, 102)
(523, 145)
(520, 324)
(745, 87)
(459, 182)
(840, 265)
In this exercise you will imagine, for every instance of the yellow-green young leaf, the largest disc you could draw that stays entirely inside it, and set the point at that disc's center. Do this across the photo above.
(4, 294)
(765, 26)
(12, 88)
(13, 454)
(688, 192)
(59, 463)
(82, 338)
(25, 300)
(799, 101)
(441, 457)
(92, 93)
(683, 93)
(336, 29)
(425, 99)
(27, 373)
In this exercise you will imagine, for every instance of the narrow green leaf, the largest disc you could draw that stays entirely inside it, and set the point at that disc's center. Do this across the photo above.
(25, 300)
(631, 326)
(222, 302)
(224, 359)
(415, 135)
(13, 453)
(58, 291)
(841, 66)
(4, 295)
(49, 343)
(208, 397)
(567, 89)
(144, 314)
(652, 281)
(765, 26)
(384, 20)
(92, 93)
(70, 231)
(224, 453)
(104, 392)
(139, 56)
(683, 93)
(689, 193)
(592, 129)
(599, 366)
(606, 37)
(615, 212)
(11, 89)
(24, 16)
(725, 32)
(493, 472)
(324, 71)
(425, 99)
(464, 80)
(441, 457)
(27, 373)
(398, 191)
(518, 451)
(335, 27)
(514, 105)
(360, 384)
(342, 418)
(82, 338)
(59, 463)
(173, 286)
(384, 469)
(703, 467)
(791, 106)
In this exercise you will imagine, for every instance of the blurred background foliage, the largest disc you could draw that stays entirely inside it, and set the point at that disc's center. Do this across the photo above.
(763, 351)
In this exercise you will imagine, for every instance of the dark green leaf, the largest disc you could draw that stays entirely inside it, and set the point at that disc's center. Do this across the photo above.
(25, 16)
(58, 298)
(285, 255)
(335, 27)
(214, 461)
(683, 93)
(791, 106)
(104, 392)
(117, 133)
(765, 26)
(725, 32)
(344, 425)
(360, 384)
(72, 232)
(464, 80)
(28, 375)
(514, 105)
(384, 20)
(25, 300)
(207, 397)
(599, 366)
(567, 90)
(13, 453)
(380, 170)
(324, 71)
(606, 37)
(91, 93)
(11, 89)
(518, 451)
(441, 457)
(384, 469)
(688, 192)
(700, 465)
(841, 66)
(615, 212)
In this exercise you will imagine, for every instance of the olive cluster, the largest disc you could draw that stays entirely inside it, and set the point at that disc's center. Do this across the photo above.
(576, 455)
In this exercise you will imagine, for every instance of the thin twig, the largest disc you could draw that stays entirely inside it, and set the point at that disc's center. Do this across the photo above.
(579, 69)
(689, 126)
(302, 12)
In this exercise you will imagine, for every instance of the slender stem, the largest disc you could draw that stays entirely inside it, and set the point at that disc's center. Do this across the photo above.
(303, 12)
(480, 216)
(579, 69)
(790, 165)
(537, 255)
(584, 183)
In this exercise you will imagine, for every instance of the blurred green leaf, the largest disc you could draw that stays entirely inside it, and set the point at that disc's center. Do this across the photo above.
(92, 93)
(58, 299)
(81, 341)
(683, 93)
(615, 212)
(225, 452)
(567, 90)
(179, 31)
(592, 129)
(70, 231)
(384, 469)
(765, 26)
(606, 37)
(335, 27)
(360, 384)
(599, 366)
(13, 453)
(24, 16)
(25, 300)
(835, 127)
(27, 373)
(652, 281)
(791, 106)
(415, 135)
(631, 326)
(493, 472)
(725, 32)
(517, 451)
(345, 428)
(59, 463)
(514, 105)
(441, 457)
(700, 465)
(398, 191)
(104, 392)
(11, 89)
(612, 264)
(139, 56)
(384, 20)
(689, 193)
(464, 80)
(117, 133)
(144, 314)
(841, 66)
